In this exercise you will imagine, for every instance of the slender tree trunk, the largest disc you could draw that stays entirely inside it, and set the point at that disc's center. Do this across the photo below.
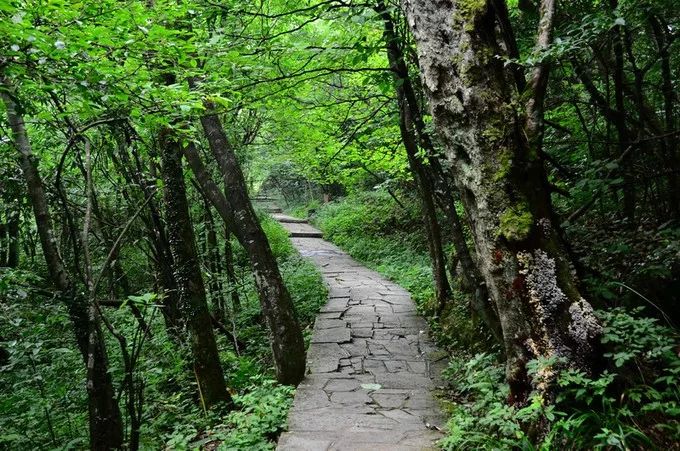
(669, 96)
(423, 182)
(105, 423)
(624, 138)
(285, 335)
(214, 264)
(13, 239)
(504, 190)
(4, 245)
(420, 175)
(187, 272)
(231, 273)
(133, 173)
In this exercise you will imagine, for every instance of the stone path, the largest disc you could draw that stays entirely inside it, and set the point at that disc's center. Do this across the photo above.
(371, 367)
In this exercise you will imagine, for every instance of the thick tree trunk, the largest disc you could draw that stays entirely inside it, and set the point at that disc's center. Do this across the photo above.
(437, 180)
(105, 423)
(504, 190)
(187, 272)
(285, 335)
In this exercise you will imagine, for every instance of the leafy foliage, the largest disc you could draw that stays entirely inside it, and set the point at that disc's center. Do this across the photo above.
(618, 409)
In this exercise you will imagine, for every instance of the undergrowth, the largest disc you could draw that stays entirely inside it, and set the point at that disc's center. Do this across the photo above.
(42, 381)
(633, 404)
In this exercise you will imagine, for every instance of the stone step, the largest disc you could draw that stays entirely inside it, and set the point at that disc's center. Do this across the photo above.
(289, 219)
(305, 234)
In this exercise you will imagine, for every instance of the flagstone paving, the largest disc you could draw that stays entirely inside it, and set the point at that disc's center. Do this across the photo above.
(371, 368)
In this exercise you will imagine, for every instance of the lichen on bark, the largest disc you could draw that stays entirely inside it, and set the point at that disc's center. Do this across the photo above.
(468, 11)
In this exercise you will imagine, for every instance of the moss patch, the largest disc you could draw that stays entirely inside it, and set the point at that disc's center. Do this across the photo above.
(468, 11)
(516, 222)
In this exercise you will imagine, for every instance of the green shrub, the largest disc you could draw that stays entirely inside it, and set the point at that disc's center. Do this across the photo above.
(254, 425)
(277, 236)
(43, 379)
(619, 409)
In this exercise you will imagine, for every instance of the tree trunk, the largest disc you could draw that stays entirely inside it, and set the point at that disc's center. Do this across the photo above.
(213, 261)
(231, 273)
(105, 423)
(285, 335)
(437, 180)
(504, 190)
(187, 272)
(4, 245)
(423, 182)
(422, 179)
(670, 142)
(624, 137)
(160, 249)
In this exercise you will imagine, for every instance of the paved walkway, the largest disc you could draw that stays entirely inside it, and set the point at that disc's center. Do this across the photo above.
(371, 368)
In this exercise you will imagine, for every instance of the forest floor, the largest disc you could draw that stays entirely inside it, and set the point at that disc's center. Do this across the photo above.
(372, 369)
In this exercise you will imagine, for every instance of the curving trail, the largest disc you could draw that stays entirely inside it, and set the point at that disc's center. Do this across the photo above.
(371, 368)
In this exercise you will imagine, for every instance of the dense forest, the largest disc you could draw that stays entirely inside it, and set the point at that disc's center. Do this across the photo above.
(515, 165)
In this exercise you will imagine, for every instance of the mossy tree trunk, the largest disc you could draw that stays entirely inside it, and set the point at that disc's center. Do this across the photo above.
(432, 173)
(496, 165)
(192, 298)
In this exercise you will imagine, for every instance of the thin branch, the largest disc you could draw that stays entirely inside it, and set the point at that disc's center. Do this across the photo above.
(114, 248)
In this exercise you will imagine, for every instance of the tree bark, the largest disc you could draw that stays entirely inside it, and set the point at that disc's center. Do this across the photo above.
(670, 142)
(504, 190)
(4, 245)
(231, 272)
(629, 189)
(160, 249)
(423, 182)
(187, 274)
(105, 423)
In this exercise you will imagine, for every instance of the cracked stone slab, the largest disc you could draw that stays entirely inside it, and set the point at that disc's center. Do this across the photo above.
(362, 332)
(324, 323)
(325, 357)
(337, 335)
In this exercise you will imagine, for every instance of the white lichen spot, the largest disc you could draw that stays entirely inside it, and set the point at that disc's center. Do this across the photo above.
(541, 280)
(545, 296)
(584, 325)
